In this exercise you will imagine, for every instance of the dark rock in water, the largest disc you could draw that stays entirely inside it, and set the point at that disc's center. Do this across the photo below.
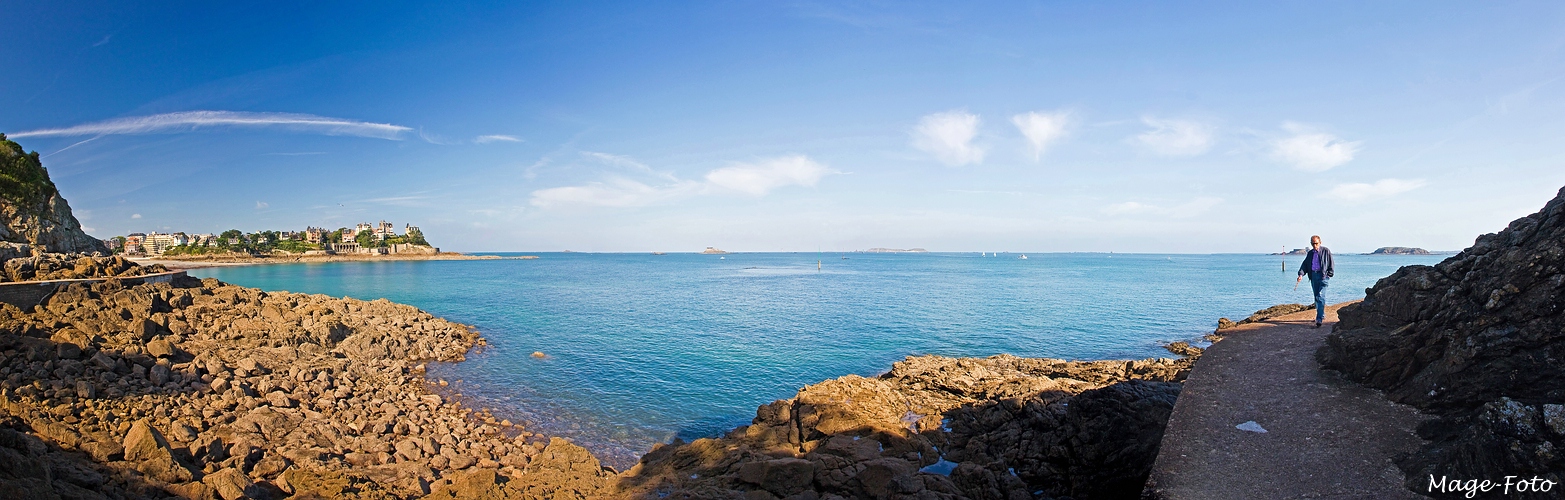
(1477, 339)
(1399, 251)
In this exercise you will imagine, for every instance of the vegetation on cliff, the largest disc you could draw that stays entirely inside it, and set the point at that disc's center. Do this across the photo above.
(23, 180)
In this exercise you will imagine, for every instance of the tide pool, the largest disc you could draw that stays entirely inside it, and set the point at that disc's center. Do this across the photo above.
(642, 348)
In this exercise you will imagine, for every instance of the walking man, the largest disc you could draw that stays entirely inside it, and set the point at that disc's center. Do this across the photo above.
(1317, 265)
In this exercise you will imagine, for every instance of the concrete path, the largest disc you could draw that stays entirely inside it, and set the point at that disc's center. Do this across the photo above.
(1325, 437)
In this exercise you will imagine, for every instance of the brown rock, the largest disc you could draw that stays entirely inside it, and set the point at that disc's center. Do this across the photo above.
(230, 483)
(104, 451)
(147, 448)
(161, 348)
(783, 476)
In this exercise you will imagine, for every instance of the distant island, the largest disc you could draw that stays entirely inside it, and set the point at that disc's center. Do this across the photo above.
(713, 251)
(894, 250)
(1296, 251)
(1399, 251)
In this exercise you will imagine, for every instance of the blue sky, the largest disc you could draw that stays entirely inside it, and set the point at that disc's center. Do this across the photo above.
(760, 126)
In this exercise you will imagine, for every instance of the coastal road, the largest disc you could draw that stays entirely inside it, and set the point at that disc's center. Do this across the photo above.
(1324, 437)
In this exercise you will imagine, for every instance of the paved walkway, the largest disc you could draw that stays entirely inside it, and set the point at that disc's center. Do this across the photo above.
(1325, 438)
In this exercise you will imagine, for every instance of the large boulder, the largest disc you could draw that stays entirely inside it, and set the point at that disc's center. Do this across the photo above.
(32, 210)
(147, 448)
(1476, 339)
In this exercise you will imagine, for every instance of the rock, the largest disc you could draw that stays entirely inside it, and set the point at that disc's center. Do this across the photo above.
(1399, 251)
(159, 375)
(145, 446)
(1184, 349)
(194, 490)
(1004, 427)
(1474, 340)
(230, 484)
(280, 399)
(539, 354)
(32, 210)
(783, 476)
(67, 350)
(408, 449)
(161, 348)
(104, 451)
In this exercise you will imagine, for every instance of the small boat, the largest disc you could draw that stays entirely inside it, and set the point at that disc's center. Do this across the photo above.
(722, 258)
(1024, 256)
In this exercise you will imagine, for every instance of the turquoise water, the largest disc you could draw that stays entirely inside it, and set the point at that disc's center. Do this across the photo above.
(644, 348)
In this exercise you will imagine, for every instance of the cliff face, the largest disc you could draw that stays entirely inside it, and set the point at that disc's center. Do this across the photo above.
(1478, 340)
(31, 209)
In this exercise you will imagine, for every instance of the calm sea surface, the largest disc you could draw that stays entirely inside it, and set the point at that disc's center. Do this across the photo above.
(644, 348)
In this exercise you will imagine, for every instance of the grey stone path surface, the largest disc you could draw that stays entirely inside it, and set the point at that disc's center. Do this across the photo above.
(1325, 437)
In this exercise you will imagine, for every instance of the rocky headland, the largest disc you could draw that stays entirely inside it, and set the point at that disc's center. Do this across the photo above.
(1478, 341)
(31, 209)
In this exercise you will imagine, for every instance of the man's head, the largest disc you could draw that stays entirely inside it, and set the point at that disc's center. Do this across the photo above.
(1315, 241)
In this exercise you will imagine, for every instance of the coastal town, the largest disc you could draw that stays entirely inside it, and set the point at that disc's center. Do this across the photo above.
(363, 238)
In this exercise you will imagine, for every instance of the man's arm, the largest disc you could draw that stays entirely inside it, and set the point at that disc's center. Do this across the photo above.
(1327, 257)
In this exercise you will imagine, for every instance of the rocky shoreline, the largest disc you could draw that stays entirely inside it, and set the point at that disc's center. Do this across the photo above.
(201, 389)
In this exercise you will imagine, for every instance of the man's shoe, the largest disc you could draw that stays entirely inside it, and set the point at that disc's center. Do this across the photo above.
(1317, 324)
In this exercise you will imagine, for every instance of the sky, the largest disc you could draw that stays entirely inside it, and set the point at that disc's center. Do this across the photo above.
(1169, 127)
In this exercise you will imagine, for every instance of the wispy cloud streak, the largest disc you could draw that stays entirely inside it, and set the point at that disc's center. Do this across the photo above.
(486, 139)
(192, 120)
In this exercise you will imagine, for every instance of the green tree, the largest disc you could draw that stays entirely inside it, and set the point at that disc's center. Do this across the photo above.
(23, 180)
(366, 239)
(416, 237)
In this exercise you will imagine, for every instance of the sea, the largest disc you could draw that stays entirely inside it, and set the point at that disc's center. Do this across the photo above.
(640, 349)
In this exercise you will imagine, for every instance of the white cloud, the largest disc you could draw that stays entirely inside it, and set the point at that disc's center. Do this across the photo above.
(1312, 151)
(1176, 137)
(949, 136)
(756, 179)
(486, 139)
(1041, 129)
(759, 178)
(191, 120)
(261, 204)
(1192, 208)
(135, 216)
(1384, 188)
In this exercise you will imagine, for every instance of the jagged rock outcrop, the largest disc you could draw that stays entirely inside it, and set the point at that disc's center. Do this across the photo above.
(32, 210)
(1478, 339)
(935, 427)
